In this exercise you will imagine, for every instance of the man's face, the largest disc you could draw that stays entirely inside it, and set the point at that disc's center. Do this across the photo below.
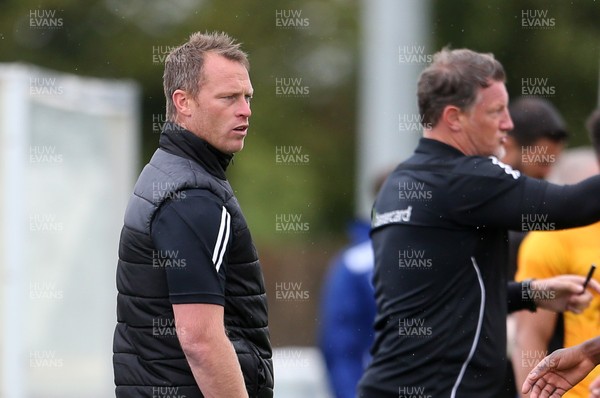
(487, 121)
(220, 112)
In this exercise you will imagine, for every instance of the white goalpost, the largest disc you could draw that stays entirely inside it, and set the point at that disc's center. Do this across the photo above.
(68, 161)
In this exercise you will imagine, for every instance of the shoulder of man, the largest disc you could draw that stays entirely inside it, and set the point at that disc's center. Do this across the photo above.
(193, 202)
(489, 166)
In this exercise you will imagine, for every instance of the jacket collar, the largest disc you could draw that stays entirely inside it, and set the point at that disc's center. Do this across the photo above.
(435, 147)
(176, 140)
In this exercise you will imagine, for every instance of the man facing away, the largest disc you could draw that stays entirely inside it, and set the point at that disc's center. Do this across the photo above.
(440, 258)
(191, 305)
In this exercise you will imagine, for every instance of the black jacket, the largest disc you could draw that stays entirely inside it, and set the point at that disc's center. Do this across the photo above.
(439, 233)
(148, 359)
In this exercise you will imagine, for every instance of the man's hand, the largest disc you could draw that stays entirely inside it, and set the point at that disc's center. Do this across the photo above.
(558, 373)
(564, 293)
(561, 370)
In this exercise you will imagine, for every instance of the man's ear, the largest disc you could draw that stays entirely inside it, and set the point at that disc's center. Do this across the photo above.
(181, 100)
(451, 117)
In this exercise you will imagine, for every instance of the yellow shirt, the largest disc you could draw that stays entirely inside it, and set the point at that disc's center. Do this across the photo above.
(569, 251)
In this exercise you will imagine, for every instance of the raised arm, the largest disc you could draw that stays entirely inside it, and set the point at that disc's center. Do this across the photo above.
(490, 194)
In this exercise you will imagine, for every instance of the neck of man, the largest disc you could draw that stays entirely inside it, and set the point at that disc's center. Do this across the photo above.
(459, 140)
(448, 137)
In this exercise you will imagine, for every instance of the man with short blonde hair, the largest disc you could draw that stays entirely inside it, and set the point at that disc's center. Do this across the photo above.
(192, 308)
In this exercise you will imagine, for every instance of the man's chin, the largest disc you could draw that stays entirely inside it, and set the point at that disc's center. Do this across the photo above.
(236, 147)
(500, 152)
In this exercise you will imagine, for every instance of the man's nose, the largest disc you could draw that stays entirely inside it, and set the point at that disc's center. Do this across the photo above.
(244, 108)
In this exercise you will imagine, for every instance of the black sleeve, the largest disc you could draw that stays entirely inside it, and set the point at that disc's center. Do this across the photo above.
(517, 300)
(494, 195)
(191, 236)
(514, 243)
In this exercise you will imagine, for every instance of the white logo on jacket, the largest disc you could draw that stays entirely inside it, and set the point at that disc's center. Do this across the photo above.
(391, 217)
(507, 169)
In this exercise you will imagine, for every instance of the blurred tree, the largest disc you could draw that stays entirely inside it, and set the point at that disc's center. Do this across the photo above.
(316, 51)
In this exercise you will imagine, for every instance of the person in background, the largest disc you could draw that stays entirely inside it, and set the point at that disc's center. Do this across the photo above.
(537, 139)
(347, 310)
(546, 254)
(533, 145)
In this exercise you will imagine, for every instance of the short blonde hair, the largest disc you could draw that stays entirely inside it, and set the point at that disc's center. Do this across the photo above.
(184, 64)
